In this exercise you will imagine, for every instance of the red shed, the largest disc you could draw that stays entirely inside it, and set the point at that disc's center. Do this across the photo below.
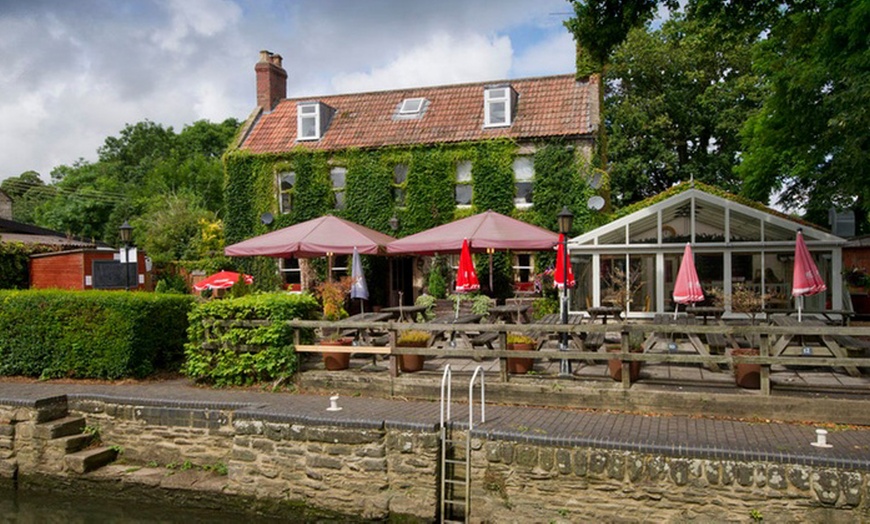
(87, 269)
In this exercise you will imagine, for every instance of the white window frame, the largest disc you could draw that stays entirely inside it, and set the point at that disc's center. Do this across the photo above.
(496, 95)
(303, 112)
(524, 172)
(411, 106)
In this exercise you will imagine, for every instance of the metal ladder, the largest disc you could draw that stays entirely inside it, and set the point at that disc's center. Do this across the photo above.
(450, 463)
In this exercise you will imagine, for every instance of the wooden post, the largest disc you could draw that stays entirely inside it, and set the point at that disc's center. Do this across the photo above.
(502, 362)
(394, 359)
(626, 365)
(764, 351)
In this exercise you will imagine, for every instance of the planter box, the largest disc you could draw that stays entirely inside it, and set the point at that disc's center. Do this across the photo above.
(520, 366)
(614, 366)
(747, 375)
(336, 361)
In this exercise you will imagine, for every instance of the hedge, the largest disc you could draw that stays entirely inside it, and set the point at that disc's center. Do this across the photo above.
(90, 334)
(223, 354)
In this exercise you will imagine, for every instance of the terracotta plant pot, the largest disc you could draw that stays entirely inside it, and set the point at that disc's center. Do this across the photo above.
(520, 366)
(747, 375)
(336, 361)
(412, 363)
(614, 366)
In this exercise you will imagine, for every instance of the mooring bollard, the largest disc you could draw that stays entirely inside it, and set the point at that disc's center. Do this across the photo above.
(821, 439)
(333, 404)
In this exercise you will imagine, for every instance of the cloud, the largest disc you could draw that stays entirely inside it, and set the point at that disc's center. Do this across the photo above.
(195, 18)
(444, 59)
(555, 54)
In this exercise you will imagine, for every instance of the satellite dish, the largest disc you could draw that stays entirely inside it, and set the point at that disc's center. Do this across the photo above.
(266, 218)
(595, 183)
(595, 202)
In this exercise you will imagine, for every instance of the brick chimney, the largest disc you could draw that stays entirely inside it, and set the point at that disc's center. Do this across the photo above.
(271, 80)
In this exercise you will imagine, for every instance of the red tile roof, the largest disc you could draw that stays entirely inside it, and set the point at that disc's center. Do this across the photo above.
(554, 106)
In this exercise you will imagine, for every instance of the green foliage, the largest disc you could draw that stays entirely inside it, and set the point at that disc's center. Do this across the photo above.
(171, 283)
(677, 97)
(412, 338)
(14, 272)
(427, 301)
(223, 361)
(810, 136)
(518, 338)
(172, 228)
(492, 173)
(90, 334)
(437, 284)
(544, 306)
(27, 192)
(429, 188)
(369, 190)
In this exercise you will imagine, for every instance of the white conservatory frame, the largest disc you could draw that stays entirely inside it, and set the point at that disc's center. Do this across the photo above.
(755, 240)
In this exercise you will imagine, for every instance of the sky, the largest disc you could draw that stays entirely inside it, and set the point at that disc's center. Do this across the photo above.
(75, 72)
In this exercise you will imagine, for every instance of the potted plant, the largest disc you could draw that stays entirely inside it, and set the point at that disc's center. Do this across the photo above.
(518, 342)
(614, 365)
(333, 294)
(751, 302)
(412, 339)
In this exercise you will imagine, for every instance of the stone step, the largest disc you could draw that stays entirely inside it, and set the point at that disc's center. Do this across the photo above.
(89, 459)
(72, 443)
(62, 427)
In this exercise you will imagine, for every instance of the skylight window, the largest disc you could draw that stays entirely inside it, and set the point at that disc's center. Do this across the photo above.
(411, 106)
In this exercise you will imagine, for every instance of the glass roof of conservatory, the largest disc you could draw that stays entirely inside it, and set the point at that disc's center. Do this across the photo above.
(702, 215)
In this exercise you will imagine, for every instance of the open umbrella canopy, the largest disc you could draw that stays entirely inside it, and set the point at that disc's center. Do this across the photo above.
(558, 275)
(466, 278)
(687, 289)
(482, 231)
(313, 238)
(221, 280)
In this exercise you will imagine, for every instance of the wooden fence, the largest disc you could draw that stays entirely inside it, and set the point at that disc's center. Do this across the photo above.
(765, 335)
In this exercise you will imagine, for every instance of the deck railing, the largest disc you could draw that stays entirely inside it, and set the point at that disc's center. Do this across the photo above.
(764, 334)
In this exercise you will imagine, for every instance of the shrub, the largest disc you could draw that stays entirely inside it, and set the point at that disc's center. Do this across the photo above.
(224, 354)
(437, 285)
(412, 337)
(517, 338)
(90, 334)
(427, 301)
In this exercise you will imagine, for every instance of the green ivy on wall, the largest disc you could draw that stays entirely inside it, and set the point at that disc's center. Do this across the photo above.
(426, 195)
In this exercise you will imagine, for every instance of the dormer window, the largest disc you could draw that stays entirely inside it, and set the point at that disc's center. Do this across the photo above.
(312, 119)
(498, 106)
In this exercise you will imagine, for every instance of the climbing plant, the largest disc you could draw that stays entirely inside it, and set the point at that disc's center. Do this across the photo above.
(492, 175)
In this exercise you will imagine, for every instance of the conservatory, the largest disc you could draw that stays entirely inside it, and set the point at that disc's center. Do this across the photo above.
(735, 242)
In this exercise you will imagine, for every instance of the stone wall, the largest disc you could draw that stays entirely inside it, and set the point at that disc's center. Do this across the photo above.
(372, 470)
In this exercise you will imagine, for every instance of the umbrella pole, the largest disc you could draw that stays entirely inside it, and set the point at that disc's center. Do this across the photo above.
(489, 250)
(800, 303)
(676, 309)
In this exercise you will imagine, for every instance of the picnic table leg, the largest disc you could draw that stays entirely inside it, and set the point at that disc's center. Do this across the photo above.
(838, 352)
(702, 350)
(394, 359)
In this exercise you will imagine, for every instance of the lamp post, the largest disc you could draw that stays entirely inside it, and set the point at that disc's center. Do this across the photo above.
(566, 220)
(126, 232)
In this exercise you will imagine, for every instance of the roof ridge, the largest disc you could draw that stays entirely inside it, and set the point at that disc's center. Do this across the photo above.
(437, 86)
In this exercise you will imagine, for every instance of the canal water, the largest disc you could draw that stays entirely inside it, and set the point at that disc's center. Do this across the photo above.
(21, 507)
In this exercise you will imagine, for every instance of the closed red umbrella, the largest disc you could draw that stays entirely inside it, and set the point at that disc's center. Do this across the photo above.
(806, 279)
(687, 289)
(466, 278)
(561, 255)
(222, 280)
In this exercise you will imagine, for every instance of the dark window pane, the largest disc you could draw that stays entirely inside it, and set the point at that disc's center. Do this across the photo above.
(524, 192)
(463, 194)
(400, 173)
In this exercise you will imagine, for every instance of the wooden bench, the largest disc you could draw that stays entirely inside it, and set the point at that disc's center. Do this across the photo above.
(717, 342)
(594, 341)
(484, 339)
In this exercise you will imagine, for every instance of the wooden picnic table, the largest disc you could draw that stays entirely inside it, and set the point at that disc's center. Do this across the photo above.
(575, 339)
(667, 319)
(404, 313)
(839, 317)
(603, 312)
(363, 335)
(511, 313)
(785, 341)
(449, 338)
(705, 312)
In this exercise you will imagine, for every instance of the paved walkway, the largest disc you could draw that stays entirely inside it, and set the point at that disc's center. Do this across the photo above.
(691, 437)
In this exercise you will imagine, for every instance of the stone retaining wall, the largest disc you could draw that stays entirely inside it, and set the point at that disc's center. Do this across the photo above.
(371, 470)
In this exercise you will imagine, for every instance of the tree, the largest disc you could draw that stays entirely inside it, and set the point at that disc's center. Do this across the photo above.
(678, 97)
(599, 26)
(28, 192)
(809, 139)
(172, 228)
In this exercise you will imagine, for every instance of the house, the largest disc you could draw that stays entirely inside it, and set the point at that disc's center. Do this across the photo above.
(734, 240)
(488, 134)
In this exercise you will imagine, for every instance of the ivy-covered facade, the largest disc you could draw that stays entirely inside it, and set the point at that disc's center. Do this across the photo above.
(407, 160)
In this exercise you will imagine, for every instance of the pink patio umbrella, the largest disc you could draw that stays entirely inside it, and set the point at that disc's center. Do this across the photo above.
(222, 280)
(485, 233)
(558, 277)
(322, 236)
(466, 278)
(687, 289)
(806, 279)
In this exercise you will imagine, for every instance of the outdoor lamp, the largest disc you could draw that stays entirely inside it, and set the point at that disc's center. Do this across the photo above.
(566, 220)
(394, 222)
(126, 233)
